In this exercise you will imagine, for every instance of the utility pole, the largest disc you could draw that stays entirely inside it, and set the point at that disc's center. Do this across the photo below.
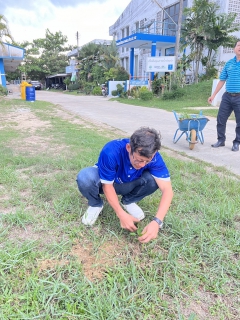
(164, 11)
(178, 31)
(77, 36)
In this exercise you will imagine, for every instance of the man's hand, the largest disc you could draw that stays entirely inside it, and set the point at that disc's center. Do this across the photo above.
(149, 232)
(127, 222)
(210, 99)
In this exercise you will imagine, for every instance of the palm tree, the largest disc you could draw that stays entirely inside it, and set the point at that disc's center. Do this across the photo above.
(220, 34)
(109, 56)
(215, 30)
(4, 30)
(194, 33)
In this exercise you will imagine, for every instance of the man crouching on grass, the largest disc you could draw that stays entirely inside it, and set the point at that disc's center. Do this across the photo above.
(134, 169)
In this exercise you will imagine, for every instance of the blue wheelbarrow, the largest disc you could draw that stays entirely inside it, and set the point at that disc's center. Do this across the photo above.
(192, 126)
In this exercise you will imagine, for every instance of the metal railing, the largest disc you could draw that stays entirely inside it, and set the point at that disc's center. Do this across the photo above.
(158, 27)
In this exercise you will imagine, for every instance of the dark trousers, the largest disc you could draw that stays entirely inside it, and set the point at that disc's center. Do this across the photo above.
(90, 186)
(228, 104)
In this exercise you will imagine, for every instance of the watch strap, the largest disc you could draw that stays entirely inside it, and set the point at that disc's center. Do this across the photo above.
(160, 223)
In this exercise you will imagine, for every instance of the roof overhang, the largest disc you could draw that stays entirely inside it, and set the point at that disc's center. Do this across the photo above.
(145, 41)
(12, 56)
(57, 75)
(10, 65)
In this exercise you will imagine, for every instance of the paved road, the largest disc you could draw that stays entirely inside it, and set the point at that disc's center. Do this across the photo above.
(128, 118)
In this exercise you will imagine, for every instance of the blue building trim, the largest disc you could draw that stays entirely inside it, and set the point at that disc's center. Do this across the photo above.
(153, 54)
(134, 39)
(146, 41)
(2, 73)
(10, 55)
(132, 62)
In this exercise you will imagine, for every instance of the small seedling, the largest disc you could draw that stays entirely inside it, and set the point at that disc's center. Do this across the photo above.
(139, 232)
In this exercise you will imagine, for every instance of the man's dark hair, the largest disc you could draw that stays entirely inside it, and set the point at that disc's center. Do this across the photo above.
(238, 40)
(145, 141)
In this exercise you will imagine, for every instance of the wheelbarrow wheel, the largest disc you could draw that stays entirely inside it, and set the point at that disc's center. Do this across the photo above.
(193, 140)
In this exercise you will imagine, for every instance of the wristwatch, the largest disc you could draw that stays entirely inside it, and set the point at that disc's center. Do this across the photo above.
(160, 223)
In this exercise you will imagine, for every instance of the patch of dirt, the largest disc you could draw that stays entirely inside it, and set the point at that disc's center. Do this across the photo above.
(49, 264)
(4, 197)
(206, 306)
(94, 262)
(28, 233)
(36, 144)
(35, 171)
(23, 119)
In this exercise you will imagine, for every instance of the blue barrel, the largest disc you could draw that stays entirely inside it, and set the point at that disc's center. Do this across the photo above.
(30, 93)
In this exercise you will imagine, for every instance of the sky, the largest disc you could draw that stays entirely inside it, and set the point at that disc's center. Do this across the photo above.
(29, 19)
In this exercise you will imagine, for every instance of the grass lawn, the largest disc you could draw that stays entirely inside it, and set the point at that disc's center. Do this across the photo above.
(53, 267)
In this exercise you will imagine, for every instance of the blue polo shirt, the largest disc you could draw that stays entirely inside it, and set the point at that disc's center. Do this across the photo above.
(231, 74)
(114, 164)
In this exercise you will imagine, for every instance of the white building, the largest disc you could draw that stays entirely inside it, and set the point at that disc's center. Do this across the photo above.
(156, 17)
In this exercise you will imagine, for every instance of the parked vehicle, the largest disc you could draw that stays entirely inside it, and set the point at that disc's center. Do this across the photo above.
(57, 86)
(104, 91)
(36, 84)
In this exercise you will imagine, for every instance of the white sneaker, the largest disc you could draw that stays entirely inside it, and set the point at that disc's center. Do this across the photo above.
(91, 215)
(134, 210)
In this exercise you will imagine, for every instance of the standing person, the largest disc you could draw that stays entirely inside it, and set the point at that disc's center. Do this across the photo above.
(134, 169)
(230, 99)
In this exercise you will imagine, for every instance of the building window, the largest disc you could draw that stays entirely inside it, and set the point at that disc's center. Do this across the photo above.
(170, 25)
(127, 65)
(136, 66)
(170, 51)
(159, 23)
(127, 31)
(122, 38)
(137, 27)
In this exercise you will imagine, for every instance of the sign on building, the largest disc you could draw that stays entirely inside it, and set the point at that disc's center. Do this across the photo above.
(161, 64)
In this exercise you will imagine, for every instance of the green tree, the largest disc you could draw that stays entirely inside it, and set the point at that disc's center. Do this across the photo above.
(45, 56)
(118, 74)
(194, 33)
(88, 57)
(213, 31)
(96, 60)
(108, 57)
(220, 34)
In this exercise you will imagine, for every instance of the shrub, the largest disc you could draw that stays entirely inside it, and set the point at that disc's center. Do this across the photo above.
(145, 94)
(211, 73)
(134, 92)
(3, 91)
(120, 88)
(156, 86)
(123, 94)
(97, 91)
(114, 93)
(88, 87)
(73, 86)
(174, 94)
